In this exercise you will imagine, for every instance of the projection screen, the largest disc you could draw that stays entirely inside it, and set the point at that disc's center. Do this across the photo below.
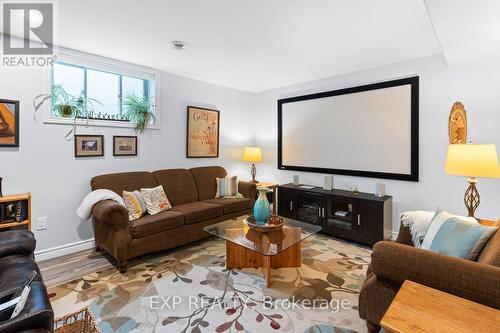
(369, 131)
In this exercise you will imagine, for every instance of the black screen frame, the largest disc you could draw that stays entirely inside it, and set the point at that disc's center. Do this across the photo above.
(414, 173)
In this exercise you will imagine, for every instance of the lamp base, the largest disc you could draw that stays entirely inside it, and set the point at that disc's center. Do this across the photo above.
(471, 197)
(253, 171)
(253, 181)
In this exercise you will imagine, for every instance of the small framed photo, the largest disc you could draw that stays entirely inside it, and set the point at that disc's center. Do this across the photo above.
(9, 123)
(124, 146)
(89, 145)
(202, 132)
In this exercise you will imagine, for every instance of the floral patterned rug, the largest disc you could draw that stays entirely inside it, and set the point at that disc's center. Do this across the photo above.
(190, 290)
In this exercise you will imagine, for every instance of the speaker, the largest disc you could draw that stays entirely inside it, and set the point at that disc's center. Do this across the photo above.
(328, 184)
(380, 190)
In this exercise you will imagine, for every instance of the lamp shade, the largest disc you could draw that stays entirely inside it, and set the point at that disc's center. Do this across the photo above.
(252, 154)
(472, 160)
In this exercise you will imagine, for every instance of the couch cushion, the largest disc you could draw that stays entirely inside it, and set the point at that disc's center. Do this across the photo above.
(198, 211)
(205, 180)
(231, 205)
(125, 181)
(151, 224)
(15, 269)
(178, 184)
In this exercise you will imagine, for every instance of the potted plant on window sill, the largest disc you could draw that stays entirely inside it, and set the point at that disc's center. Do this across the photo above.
(138, 110)
(65, 105)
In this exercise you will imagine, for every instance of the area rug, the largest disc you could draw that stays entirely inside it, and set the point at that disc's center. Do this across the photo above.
(190, 290)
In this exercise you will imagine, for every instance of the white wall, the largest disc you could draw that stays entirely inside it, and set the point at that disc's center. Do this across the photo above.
(477, 87)
(45, 165)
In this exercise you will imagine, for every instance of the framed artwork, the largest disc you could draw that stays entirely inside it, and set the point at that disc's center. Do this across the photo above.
(124, 145)
(457, 124)
(9, 123)
(89, 145)
(202, 132)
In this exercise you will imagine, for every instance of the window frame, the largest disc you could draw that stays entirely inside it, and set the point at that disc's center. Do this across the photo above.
(150, 77)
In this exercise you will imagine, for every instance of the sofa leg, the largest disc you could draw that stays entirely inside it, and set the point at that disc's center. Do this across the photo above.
(123, 266)
(97, 249)
(372, 328)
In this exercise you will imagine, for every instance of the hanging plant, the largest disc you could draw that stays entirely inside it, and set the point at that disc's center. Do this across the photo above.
(66, 105)
(138, 110)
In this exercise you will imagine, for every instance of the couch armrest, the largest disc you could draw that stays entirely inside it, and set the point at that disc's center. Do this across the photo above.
(111, 213)
(464, 278)
(17, 242)
(36, 315)
(249, 190)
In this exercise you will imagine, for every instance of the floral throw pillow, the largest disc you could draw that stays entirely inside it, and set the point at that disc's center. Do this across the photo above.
(156, 199)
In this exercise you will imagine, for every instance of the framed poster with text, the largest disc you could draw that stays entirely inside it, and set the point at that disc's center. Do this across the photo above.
(202, 132)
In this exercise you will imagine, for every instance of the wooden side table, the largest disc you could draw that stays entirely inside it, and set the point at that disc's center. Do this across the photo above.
(421, 309)
(274, 188)
(12, 199)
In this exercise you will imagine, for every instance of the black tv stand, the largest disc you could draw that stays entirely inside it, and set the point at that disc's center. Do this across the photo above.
(360, 217)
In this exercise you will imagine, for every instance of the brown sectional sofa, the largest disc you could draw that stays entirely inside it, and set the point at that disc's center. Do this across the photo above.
(394, 262)
(192, 195)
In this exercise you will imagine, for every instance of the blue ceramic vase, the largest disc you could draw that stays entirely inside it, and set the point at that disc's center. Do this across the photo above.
(261, 211)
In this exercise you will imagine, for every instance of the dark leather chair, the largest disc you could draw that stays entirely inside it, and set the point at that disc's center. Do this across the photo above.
(16, 264)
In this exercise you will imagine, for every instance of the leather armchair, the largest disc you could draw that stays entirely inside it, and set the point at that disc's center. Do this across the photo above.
(16, 263)
(17, 242)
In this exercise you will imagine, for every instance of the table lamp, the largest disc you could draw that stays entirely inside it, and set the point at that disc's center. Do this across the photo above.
(252, 155)
(472, 161)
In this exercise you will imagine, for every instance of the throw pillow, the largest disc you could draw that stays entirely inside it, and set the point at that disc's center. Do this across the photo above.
(456, 236)
(156, 199)
(437, 221)
(227, 187)
(135, 204)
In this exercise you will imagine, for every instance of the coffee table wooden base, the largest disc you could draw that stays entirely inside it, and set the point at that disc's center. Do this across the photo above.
(238, 257)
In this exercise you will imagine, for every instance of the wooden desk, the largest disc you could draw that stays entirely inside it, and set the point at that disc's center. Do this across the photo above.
(273, 187)
(421, 309)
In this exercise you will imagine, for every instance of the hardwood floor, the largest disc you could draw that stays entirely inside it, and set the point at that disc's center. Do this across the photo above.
(71, 266)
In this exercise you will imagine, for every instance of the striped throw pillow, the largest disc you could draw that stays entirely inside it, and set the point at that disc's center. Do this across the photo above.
(227, 187)
(135, 204)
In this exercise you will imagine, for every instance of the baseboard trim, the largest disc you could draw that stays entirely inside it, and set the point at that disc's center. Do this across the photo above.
(62, 250)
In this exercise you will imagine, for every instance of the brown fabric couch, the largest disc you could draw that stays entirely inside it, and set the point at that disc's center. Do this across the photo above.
(394, 262)
(192, 195)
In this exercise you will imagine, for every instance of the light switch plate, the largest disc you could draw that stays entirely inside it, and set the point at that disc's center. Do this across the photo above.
(41, 223)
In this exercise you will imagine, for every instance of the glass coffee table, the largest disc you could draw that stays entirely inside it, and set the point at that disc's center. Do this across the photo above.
(247, 248)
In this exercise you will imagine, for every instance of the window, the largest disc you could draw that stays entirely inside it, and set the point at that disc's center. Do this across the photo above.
(105, 83)
(107, 88)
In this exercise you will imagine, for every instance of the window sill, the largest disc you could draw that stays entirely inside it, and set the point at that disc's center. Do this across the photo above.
(96, 122)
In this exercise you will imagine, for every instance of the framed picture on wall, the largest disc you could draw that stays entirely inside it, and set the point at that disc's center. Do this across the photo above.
(124, 145)
(9, 123)
(89, 145)
(202, 132)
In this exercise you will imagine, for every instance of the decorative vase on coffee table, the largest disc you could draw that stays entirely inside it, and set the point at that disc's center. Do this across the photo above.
(261, 211)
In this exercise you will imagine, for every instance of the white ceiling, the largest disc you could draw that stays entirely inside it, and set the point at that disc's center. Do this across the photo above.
(251, 45)
(468, 30)
(256, 45)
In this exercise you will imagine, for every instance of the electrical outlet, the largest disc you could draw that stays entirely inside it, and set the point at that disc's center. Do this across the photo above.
(41, 223)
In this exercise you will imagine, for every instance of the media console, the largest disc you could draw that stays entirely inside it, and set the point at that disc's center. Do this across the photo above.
(360, 217)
